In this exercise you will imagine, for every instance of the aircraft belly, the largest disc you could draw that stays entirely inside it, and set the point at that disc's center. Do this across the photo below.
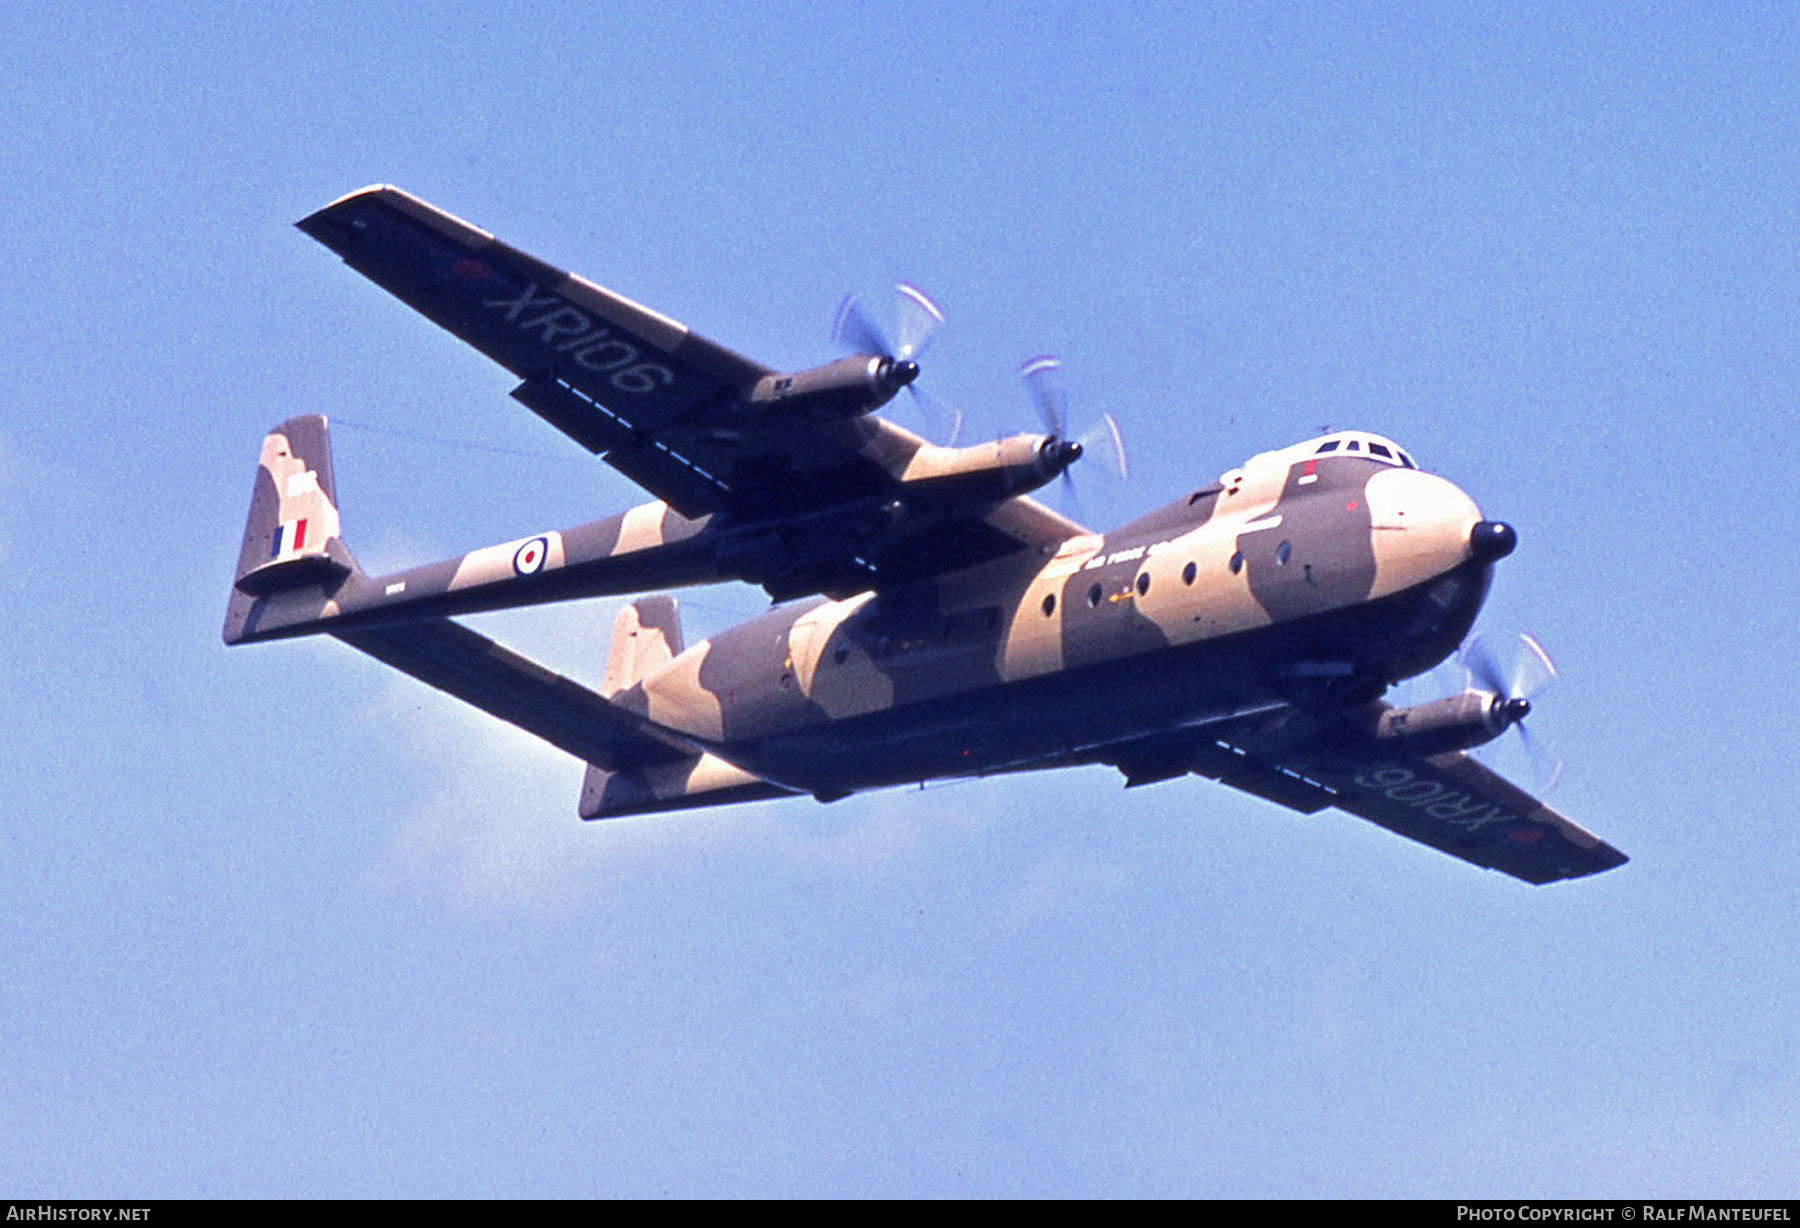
(1001, 725)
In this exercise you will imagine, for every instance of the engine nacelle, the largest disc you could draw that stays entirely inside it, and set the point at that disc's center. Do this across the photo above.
(1459, 722)
(987, 472)
(847, 388)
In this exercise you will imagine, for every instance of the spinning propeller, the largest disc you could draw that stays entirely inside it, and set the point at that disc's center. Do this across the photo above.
(1530, 671)
(1044, 381)
(918, 320)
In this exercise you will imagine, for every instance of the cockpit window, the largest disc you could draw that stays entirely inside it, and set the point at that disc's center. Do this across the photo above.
(1375, 448)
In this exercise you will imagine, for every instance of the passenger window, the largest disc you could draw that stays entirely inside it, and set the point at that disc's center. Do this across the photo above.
(1143, 584)
(1237, 562)
(1284, 552)
(1188, 573)
(1093, 598)
(1049, 604)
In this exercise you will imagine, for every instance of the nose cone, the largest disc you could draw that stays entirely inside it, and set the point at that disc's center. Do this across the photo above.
(1492, 540)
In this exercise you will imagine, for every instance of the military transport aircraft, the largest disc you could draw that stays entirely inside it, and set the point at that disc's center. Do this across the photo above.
(932, 619)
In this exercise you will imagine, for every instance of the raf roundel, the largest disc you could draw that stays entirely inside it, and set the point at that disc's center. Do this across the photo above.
(530, 557)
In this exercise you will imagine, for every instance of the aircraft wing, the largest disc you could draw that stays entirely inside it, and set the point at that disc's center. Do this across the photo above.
(667, 408)
(1448, 801)
(1455, 803)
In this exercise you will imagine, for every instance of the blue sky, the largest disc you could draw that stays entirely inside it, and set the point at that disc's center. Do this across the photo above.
(277, 921)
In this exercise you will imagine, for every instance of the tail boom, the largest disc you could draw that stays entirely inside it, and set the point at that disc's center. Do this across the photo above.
(295, 576)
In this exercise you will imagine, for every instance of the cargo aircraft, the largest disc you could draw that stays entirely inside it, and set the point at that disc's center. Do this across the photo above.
(931, 620)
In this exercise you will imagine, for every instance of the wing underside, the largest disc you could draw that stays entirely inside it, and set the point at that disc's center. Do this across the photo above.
(809, 501)
(1450, 802)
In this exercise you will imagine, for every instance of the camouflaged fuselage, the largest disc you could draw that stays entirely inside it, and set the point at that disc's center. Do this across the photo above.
(1297, 576)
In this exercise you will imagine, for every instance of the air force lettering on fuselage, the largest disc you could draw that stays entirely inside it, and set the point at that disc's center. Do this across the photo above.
(1244, 632)
(1118, 556)
(569, 330)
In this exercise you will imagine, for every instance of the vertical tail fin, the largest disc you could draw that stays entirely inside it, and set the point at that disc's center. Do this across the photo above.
(291, 537)
(646, 636)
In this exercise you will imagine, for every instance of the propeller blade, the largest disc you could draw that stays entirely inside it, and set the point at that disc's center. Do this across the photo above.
(1481, 667)
(853, 328)
(1044, 381)
(1106, 442)
(1068, 497)
(944, 422)
(919, 320)
(1546, 765)
(1533, 670)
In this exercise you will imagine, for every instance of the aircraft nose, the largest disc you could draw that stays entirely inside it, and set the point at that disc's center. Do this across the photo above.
(1424, 526)
(1492, 540)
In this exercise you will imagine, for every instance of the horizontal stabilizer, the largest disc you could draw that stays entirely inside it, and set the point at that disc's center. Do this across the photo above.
(452, 658)
(325, 567)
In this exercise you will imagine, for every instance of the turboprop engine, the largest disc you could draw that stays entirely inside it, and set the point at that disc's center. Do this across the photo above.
(1459, 722)
(847, 388)
(986, 472)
